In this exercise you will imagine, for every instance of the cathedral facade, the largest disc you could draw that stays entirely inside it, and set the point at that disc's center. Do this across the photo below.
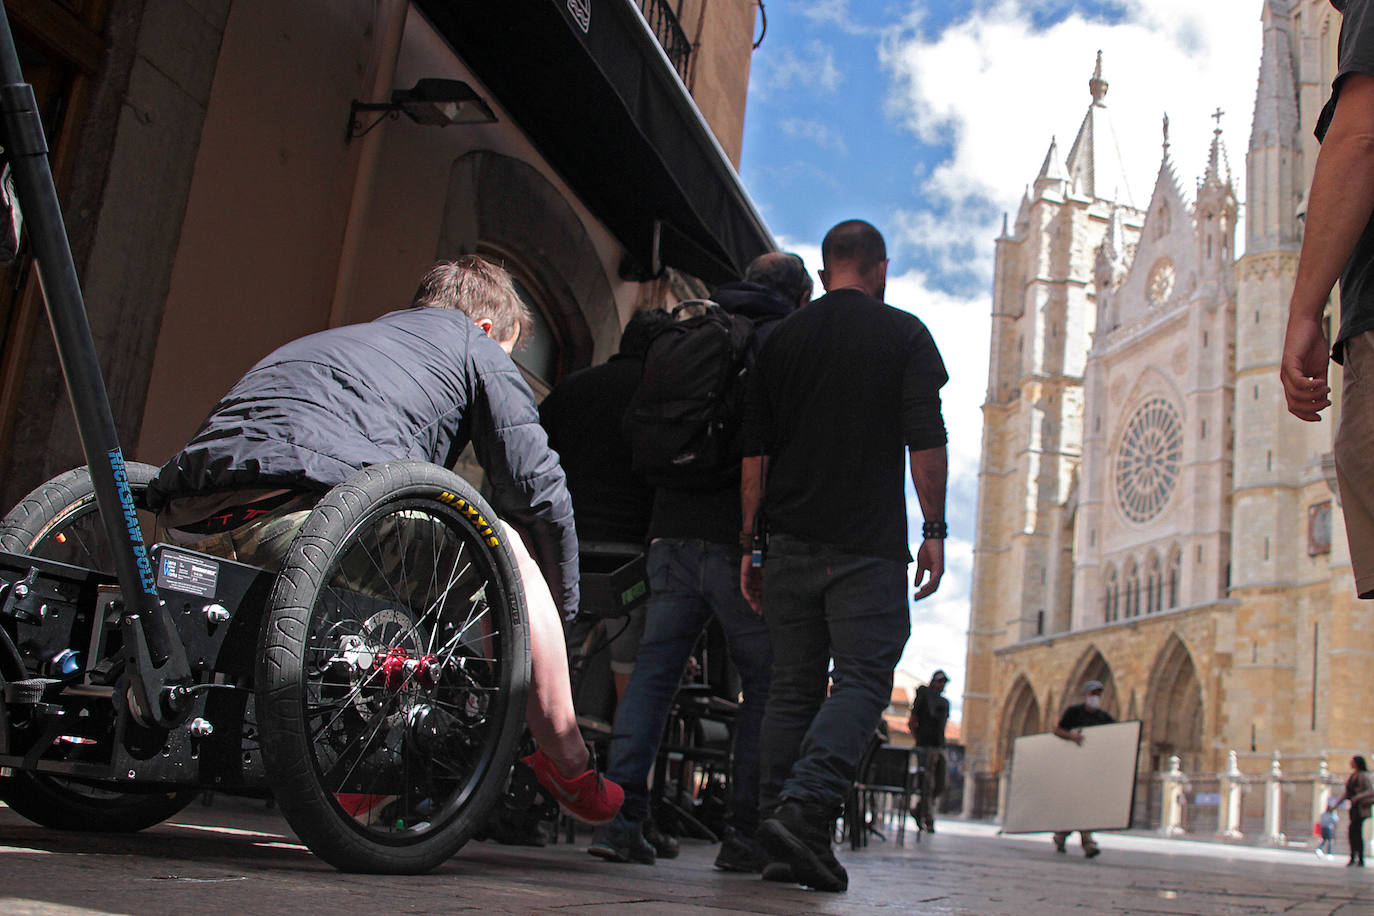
(1149, 514)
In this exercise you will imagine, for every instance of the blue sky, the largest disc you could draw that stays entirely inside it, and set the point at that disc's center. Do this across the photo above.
(929, 119)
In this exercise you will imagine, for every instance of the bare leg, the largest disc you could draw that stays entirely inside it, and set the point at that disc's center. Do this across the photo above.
(549, 711)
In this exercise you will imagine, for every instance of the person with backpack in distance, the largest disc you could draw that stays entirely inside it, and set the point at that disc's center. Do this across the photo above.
(840, 394)
(684, 426)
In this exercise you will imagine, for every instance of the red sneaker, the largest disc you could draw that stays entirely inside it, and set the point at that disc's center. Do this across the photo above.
(589, 798)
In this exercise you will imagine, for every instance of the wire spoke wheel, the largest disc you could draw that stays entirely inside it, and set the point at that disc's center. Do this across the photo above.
(60, 520)
(394, 666)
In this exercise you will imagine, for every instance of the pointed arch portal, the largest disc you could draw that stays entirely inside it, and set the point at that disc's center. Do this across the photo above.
(1020, 716)
(1092, 666)
(1174, 710)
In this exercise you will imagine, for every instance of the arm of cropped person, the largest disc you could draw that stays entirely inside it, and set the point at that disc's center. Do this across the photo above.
(929, 472)
(752, 475)
(1339, 206)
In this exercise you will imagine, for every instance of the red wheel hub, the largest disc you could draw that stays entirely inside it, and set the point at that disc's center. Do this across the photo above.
(397, 669)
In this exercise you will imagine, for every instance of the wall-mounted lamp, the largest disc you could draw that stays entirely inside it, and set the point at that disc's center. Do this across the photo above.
(435, 102)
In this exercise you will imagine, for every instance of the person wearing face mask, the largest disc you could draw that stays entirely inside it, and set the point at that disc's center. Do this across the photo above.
(1070, 728)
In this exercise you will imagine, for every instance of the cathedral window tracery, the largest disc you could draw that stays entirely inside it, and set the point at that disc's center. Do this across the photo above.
(1148, 460)
(1110, 595)
(1175, 571)
(1132, 596)
(1154, 585)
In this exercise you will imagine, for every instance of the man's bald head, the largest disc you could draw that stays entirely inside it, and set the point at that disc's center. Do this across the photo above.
(853, 243)
(854, 257)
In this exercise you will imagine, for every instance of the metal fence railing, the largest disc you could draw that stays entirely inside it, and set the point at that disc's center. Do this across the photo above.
(1201, 802)
(666, 28)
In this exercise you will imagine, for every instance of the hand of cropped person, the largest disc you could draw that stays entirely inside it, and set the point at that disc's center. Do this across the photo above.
(751, 583)
(930, 567)
(1302, 369)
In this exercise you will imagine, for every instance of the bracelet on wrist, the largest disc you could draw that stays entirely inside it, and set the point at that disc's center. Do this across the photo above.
(937, 531)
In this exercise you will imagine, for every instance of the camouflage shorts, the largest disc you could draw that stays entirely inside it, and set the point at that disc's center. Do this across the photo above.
(262, 543)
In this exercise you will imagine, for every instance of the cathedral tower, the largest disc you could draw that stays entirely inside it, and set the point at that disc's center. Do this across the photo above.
(1044, 314)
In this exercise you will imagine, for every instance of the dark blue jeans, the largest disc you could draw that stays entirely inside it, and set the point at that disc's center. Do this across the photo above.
(821, 604)
(689, 580)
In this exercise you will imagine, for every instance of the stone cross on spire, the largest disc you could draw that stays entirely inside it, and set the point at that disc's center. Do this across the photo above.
(1166, 133)
(1097, 85)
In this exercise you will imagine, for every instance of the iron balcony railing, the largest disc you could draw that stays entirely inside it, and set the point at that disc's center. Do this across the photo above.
(668, 30)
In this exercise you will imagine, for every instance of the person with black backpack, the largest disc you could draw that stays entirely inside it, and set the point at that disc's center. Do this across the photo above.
(683, 425)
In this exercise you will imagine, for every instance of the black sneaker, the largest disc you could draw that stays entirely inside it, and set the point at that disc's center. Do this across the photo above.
(740, 853)
(779, 871)
(621, 841)
(665, 845)
(798, 833)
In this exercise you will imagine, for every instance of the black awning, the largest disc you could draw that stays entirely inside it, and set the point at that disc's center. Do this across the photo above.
(606, 109)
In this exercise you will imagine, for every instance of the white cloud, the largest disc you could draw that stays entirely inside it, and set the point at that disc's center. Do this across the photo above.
(834, 12)
(995, 90)
(815, 132)
(813, 69)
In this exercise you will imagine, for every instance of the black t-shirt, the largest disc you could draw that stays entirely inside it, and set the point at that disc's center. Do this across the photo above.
(931, 711)
(1355, 54)
(1080, 716)
(840, 388)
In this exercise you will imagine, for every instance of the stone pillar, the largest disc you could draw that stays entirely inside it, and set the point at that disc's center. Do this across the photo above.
(1232, 784)
(1003, 784)
(970, 787)
(1173, 783)
(1273, 804)
(1321, 790)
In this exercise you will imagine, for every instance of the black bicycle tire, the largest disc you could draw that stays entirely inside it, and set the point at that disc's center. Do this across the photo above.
(43, 799)
(288, 755)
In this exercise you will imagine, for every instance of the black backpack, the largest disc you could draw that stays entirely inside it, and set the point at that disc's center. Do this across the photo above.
(683, 423)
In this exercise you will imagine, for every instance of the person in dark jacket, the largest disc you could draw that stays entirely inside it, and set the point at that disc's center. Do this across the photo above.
(694, 554)
(611, 503)
(929, 716)
(1360, 793)
(417, 384)
(582, 416)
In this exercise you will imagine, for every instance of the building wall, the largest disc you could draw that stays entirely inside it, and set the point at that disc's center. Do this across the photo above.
(233, 216)
(722, 37)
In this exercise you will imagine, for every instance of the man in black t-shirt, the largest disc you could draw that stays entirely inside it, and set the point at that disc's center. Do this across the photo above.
(840, 392)
(1070, 728)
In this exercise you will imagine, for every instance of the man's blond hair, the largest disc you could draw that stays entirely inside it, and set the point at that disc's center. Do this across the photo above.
(479, 289)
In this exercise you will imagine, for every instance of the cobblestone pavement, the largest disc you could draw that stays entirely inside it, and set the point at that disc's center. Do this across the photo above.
(236, 858)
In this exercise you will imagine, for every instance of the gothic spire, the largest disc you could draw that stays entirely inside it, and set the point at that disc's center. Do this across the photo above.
(1275, 137)
(1094, 163)
(1052, 169)
(1097, 85)
(1276, 98)
(1218, 174)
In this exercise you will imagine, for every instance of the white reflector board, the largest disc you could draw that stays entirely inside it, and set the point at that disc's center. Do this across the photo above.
(1059, 785)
